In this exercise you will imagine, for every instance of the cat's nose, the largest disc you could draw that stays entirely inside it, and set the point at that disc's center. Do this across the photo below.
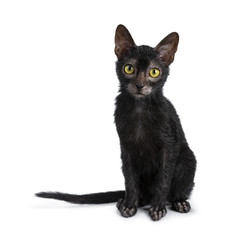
(139, 86)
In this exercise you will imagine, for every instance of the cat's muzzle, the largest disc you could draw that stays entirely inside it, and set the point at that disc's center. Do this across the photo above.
(139, 90)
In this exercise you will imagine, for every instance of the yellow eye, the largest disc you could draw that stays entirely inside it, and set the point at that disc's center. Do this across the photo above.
(154, 72)
(129, 69)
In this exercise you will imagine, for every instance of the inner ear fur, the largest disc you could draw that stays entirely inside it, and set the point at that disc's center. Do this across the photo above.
(167, 48)
(123, 41)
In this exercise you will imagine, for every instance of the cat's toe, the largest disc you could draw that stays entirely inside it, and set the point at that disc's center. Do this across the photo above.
(124, 210)
(156, 213)
(181, 206)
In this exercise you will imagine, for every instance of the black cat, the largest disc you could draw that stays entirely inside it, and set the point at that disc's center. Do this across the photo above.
(158, 165)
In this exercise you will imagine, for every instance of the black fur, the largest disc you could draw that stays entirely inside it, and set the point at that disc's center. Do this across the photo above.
(157, 163)
(93, 198)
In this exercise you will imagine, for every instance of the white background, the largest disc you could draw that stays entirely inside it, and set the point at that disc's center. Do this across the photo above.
(57, 91)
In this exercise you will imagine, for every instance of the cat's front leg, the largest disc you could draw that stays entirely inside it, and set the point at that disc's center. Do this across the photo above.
(161, 188)
(128, 205)
(158, 206)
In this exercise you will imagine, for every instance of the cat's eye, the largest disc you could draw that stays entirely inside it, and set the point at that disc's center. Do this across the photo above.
(129, 69)
(154, 72)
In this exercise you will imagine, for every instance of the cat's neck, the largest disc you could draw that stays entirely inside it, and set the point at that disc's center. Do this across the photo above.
(145, 102)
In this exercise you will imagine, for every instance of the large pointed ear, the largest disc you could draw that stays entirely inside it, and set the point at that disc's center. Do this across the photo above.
(123, 41)
(167, 48)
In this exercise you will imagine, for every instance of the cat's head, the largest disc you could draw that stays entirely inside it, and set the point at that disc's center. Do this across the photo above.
(143, 70)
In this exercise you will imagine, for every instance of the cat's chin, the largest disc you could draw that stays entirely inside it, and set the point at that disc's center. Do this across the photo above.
(138, 95)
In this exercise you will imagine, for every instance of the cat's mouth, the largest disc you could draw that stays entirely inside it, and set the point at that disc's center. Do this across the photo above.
(143, 93)
(139, 93)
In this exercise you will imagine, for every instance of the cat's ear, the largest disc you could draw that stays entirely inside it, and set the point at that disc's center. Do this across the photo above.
(167, 48)
(123, 41)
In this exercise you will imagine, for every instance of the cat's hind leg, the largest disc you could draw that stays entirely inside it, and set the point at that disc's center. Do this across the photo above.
(181, 206)
(182, 181)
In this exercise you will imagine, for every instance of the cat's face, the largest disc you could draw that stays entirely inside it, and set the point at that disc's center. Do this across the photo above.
(142, 70)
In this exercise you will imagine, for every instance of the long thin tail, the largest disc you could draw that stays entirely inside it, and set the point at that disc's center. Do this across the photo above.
(93, 198)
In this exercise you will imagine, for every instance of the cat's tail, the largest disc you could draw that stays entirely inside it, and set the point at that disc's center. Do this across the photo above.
(92, 198)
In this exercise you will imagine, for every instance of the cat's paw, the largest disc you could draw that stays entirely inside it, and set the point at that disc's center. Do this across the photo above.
(181, 206)
(124, 210)
(157, 213)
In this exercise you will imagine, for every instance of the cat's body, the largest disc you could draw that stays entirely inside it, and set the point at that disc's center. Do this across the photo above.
(158, 165)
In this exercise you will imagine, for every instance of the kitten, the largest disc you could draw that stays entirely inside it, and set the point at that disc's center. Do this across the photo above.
(157, 163)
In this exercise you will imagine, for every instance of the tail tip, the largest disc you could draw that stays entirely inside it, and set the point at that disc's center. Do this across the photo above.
(43, 194)
(39, 194)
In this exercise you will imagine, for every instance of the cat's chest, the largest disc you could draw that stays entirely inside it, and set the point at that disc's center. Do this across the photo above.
(139, 126)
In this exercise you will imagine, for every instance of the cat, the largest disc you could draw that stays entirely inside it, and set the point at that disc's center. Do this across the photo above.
(157, 163)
